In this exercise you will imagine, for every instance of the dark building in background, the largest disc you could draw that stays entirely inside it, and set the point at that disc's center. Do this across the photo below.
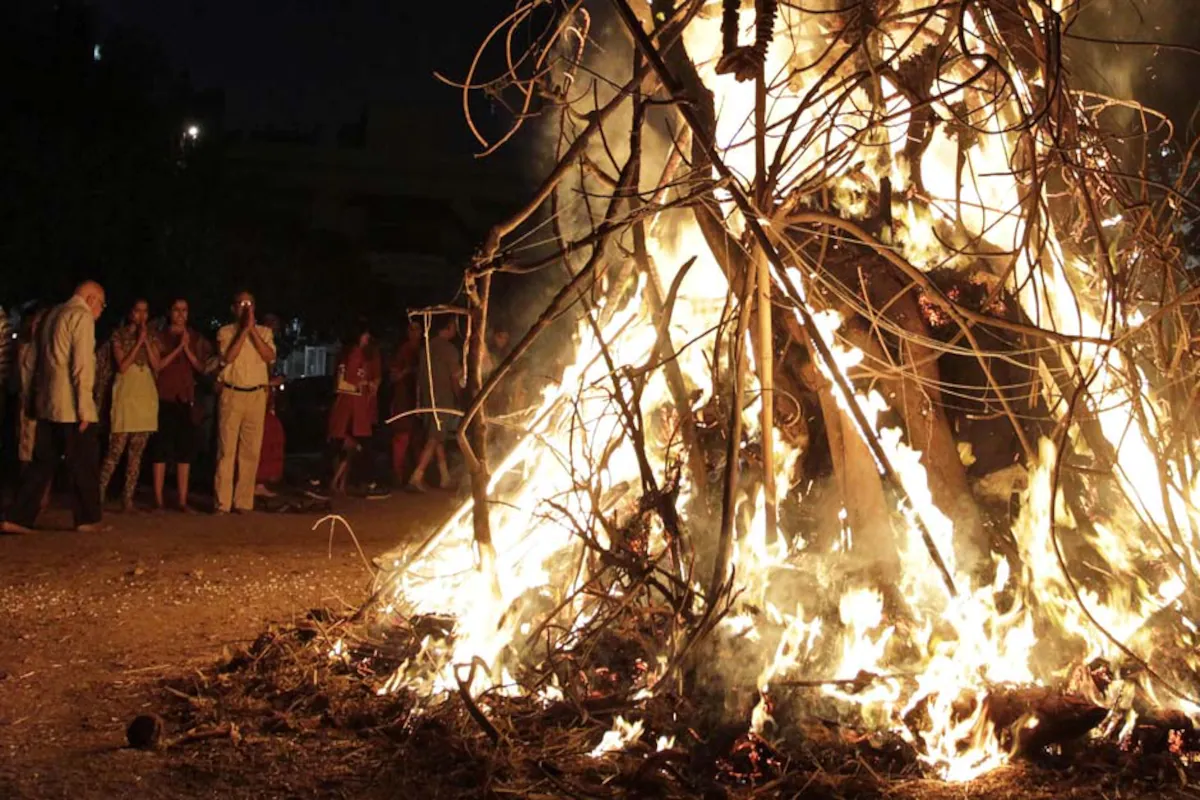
(117, 168)
(388, 185)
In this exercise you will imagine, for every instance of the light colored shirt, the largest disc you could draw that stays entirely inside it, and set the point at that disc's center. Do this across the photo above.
(248, 370)
(66, 364)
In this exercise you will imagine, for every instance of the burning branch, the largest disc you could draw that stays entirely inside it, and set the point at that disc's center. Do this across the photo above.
(915, 232)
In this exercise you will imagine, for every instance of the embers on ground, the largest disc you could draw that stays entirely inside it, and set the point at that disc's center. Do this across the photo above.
(286, 692)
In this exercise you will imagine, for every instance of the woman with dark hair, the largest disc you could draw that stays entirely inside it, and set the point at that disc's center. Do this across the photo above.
(134, 400)
(185, 359)
(356, 404)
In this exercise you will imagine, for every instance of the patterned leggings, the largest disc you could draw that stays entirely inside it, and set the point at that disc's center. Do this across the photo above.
(133, 462)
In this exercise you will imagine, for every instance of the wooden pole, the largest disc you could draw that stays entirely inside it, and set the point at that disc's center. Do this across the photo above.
(766, 347)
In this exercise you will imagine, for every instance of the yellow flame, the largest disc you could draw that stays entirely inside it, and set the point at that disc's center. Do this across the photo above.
(619, 737)
(922, 663)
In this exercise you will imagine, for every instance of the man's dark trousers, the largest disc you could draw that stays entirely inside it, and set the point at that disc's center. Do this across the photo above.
(56, 440)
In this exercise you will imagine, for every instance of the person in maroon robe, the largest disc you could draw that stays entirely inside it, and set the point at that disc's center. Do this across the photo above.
(355, 407)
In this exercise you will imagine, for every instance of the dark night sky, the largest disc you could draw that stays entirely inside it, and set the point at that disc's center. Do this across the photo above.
(296, 63)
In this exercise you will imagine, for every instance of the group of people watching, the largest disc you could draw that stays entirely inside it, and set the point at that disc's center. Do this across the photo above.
(143, 381)
(65, 385)
(427, 379)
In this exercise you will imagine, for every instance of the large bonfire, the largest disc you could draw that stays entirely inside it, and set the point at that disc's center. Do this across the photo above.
(877, 406)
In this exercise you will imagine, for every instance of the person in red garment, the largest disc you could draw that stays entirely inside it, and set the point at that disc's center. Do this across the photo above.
(355, 407)
(402, 371)
(184, 358)
(274, 445)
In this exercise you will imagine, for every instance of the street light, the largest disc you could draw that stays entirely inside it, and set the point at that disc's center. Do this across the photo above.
(192, 132)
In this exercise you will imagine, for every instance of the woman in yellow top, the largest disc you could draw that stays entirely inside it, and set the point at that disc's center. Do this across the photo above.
(134, 400)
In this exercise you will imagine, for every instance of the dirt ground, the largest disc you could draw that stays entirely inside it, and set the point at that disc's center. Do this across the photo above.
(97, 629)
(90, 624)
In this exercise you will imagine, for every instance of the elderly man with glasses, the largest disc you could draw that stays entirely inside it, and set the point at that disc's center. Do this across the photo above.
(65, 409)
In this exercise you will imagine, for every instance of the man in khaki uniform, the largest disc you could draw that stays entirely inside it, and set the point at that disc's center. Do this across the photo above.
(247, 350)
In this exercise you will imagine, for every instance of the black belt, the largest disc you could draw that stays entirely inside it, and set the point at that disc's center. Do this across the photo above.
(245, 388)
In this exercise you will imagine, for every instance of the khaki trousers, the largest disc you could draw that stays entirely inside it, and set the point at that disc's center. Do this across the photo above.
(239, 442)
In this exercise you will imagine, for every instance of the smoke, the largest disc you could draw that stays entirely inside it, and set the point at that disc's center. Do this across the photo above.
(592, 61)
(607, 66)
(1158, 78)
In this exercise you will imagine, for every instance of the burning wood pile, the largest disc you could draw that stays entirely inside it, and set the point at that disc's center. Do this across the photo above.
(877, 409)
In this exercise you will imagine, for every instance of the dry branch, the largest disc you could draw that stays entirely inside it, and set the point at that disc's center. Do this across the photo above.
(1048, 325)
